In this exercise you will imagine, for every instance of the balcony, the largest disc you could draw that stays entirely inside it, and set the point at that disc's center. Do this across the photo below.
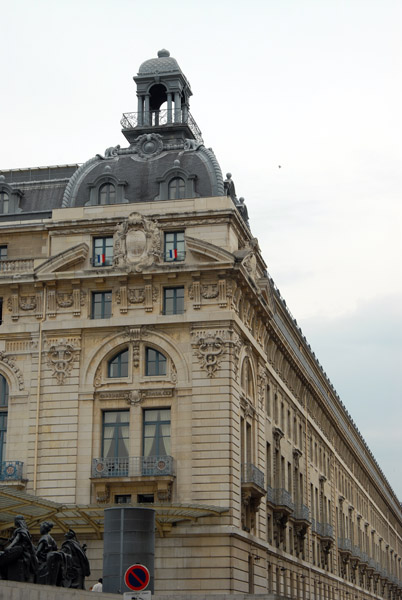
(137, 466)
(161, 119)
(11, 472)
(345, 545)
(17, 265)
(302, 514)
(323, 530)
(251, 475)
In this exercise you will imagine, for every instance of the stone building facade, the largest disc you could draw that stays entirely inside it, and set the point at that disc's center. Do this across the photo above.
(146, 356)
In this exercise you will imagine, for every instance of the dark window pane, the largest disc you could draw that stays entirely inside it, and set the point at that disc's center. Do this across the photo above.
(107, 194)
(118, 366)
(155, 362)
(156, 432)
(173, 301)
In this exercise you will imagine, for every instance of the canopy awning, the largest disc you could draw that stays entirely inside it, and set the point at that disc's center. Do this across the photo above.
(87, 519)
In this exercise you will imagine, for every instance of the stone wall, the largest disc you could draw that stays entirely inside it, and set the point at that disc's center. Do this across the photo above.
(13, 590)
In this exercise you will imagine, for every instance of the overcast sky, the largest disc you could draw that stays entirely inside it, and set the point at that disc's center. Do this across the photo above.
(301, 102)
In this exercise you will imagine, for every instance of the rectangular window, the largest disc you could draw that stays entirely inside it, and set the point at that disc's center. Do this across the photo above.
(101, 305)
(102, 255)
(174, 246)
(173, 301)
(3, 252)
(156, 440)
(122, 499)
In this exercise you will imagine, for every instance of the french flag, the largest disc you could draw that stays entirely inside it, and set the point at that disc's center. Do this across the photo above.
(100, 259)
(173, 253)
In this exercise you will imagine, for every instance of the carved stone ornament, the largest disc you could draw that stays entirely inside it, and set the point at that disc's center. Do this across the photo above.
(64, 299)
(250, 261)
(209, 348)
(148, 145)
(60, 358)
(209, 291)
(261, 384)
(135, 397)
(9, 361)
(27, 302)
(137, 244)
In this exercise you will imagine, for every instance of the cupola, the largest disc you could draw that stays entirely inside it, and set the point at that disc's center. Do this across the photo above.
(163, 94)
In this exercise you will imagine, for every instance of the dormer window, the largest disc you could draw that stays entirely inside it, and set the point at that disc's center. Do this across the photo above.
(9, 198)
(177, 188)
(176, 183)
(107, 189)
(107, 194)
(4, 203)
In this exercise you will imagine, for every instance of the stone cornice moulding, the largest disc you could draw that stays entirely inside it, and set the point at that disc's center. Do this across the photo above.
(208, 250)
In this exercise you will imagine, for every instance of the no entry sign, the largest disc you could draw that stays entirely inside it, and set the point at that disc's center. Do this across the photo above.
(137, 577)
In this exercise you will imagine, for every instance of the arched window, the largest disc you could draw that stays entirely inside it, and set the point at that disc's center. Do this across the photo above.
(4, 203)
(107, 194)
(177, 188)
(155, 362)
(118, 365)
(3, 415)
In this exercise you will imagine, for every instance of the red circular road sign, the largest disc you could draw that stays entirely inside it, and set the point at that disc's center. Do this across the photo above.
(137, 577)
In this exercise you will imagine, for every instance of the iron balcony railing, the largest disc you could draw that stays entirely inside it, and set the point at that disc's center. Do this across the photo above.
(301, 513)
(250, 474)
(161, 118)
(11, 470)
(134, 466)
(324, 530)
(280, 497)
(174, 256)
(356, 552)
(345, 544)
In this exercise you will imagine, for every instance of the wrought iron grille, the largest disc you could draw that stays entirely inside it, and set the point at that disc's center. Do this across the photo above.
(345, 544)
(160, 118)
(11, 470)
(302, 512)
(250, 474)
(134, 466)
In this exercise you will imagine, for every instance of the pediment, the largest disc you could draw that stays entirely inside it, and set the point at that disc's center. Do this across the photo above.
(64, 261)
(208, 252)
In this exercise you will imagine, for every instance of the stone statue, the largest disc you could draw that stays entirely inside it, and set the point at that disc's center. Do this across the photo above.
(242, 208)
(18, 562)
(229, 187)
(45, 547)
(77, 565)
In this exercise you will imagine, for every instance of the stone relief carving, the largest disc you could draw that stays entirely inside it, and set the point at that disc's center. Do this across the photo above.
(9, 361)
(209, 291)
(209, 348)
(60, 358)
(135, 397)
(137, 244)
(261, 384)
(27, 302)
(64, 299)
(149, 145)
(137, 295)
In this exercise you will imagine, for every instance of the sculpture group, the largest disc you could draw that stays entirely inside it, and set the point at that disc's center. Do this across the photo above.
(44, 564)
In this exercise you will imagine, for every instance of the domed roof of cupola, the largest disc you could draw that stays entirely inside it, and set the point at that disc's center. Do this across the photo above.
(164, 63)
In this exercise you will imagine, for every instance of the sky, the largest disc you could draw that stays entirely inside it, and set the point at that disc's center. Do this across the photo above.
(301, 101)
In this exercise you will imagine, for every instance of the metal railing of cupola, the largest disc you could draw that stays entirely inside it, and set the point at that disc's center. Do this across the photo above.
(161, 118)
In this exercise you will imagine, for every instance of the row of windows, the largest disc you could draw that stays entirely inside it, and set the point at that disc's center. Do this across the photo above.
(107, 191)
(102, 255)
(173, 303)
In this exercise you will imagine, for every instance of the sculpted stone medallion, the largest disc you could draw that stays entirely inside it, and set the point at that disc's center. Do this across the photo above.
(137, 244)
